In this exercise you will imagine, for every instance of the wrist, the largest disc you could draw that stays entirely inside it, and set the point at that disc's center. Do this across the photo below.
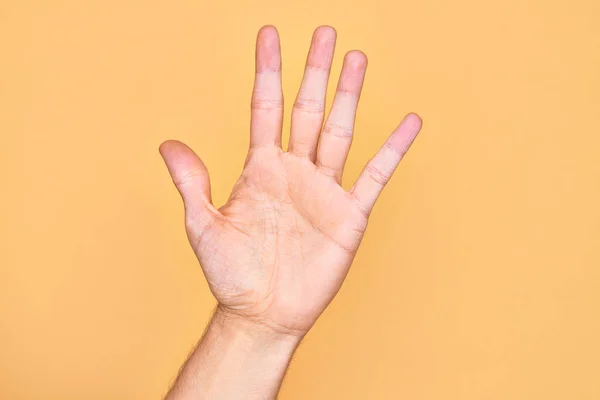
(254, 329)
(236, 358)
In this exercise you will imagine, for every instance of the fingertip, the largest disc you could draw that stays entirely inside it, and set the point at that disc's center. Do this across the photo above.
(164, 147)
(324, 33)
(169, 146)
(268, 35)
(405, 133)
(268, 53)
(414, 120)
(267, 28)
(178, 155)
(414, 116)
(356, 59)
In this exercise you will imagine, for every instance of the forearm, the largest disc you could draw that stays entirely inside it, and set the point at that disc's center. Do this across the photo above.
(236, 359)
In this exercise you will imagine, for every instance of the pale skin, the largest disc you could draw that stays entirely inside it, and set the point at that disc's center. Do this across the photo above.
(278, 251)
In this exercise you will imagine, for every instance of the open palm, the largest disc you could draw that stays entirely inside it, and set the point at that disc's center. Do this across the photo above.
(279, 250)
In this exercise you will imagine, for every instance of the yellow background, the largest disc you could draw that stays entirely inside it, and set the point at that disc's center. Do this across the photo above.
(479, 277)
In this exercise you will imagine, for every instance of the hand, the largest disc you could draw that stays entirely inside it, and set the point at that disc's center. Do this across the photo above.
(277, 253)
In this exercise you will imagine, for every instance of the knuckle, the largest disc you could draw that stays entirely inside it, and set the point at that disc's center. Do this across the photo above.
(362, 209)
(188, 176)
(317, 68)
(378, 175)
(268, 70)
(329, 171)
(400, 151)
(308, 105)
(346, 92)
(197, 224)
(303, 149)
(338, 130)
(312, 154)
(259, 103)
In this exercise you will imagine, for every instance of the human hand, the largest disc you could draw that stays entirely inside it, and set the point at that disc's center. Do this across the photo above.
(277, 253)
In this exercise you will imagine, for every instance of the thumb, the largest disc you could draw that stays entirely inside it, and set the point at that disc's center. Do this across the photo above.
(190, 176)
